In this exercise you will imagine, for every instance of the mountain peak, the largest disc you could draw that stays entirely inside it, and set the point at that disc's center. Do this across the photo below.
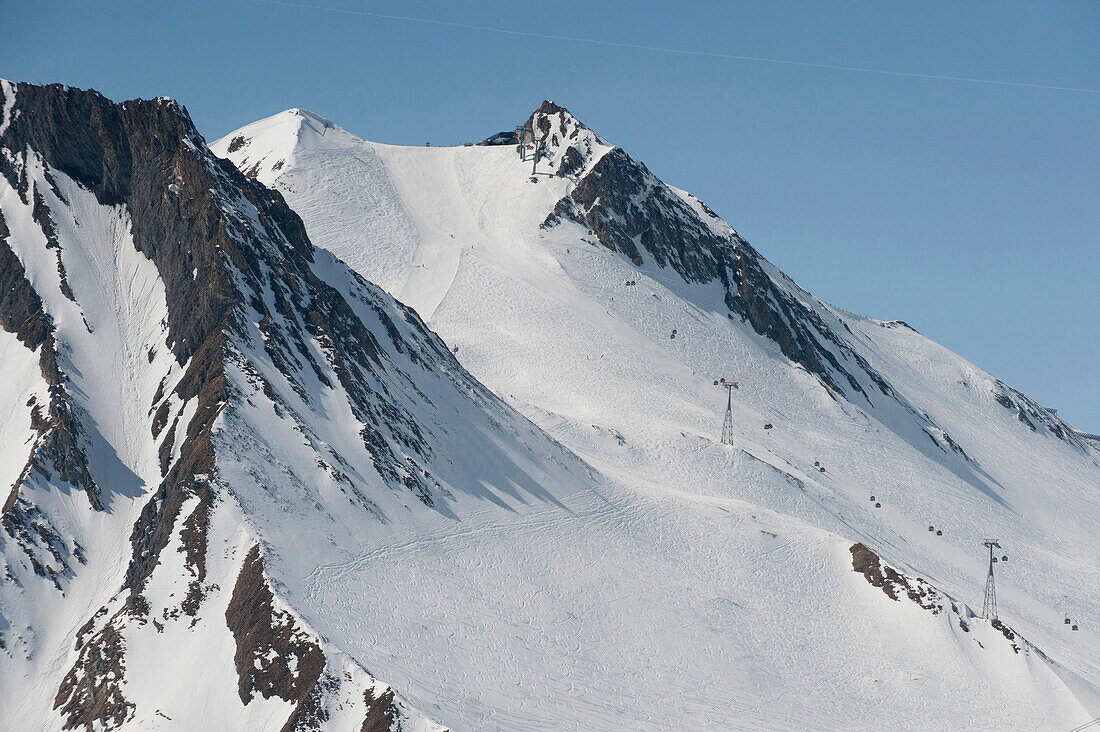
(551, 117)
(309, 115)
(265, 148)
(549, 106)
(554, 126)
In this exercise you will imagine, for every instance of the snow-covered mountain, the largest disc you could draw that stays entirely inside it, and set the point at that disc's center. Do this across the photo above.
(714, 588)
(245, 488)
(203, 411)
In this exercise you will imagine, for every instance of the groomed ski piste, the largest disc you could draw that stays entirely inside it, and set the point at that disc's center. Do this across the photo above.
(689, 584)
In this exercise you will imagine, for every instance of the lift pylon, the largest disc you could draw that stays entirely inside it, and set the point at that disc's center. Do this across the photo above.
(727, 423)
(989, 605)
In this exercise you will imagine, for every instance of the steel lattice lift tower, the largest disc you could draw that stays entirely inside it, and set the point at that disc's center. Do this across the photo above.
(727, 423)
(526, 136)
(989, 606)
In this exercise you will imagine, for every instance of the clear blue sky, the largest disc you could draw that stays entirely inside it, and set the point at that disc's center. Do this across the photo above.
(971, 211)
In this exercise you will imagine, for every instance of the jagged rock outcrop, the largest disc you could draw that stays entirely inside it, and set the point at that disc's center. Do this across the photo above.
(632, 212)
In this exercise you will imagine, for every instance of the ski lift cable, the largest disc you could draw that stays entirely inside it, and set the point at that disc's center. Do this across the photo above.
(1086, 725)
(681, 51)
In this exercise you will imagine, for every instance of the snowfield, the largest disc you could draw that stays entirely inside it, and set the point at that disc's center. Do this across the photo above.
(690, 584)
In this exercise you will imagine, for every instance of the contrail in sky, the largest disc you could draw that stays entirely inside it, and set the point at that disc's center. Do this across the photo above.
(676, 51)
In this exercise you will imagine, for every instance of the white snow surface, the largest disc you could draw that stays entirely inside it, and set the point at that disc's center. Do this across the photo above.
(104, 336)
(686, 584)
(110, 326)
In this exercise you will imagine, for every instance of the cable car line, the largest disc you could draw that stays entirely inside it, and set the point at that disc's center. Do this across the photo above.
(681, 51)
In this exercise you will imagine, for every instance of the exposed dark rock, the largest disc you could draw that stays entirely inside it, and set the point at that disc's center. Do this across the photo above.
(9, 502)
(31, 530)
(634, 214)
(942, 440)
(58, 449)
(381, 712)
(274, 657)
(880, 574)
(1095, 439)
(164, 452)
(560, 140)
(1006, 632)
(160, 419)
(42, 216)
(56, 452)
(21, 309)
(91, 693)
(154, 528)
(312, 712)
(130, 153)
(1033, 415)
(88, 627)
(193, 538)
(540, 120)
(899, 324)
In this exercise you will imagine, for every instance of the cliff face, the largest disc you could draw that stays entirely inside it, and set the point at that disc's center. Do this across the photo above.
(207, 384)
(630, 211)
(70, 156)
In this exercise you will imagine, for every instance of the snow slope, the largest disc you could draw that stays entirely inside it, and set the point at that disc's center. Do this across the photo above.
(702, 585)
(204, 410)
